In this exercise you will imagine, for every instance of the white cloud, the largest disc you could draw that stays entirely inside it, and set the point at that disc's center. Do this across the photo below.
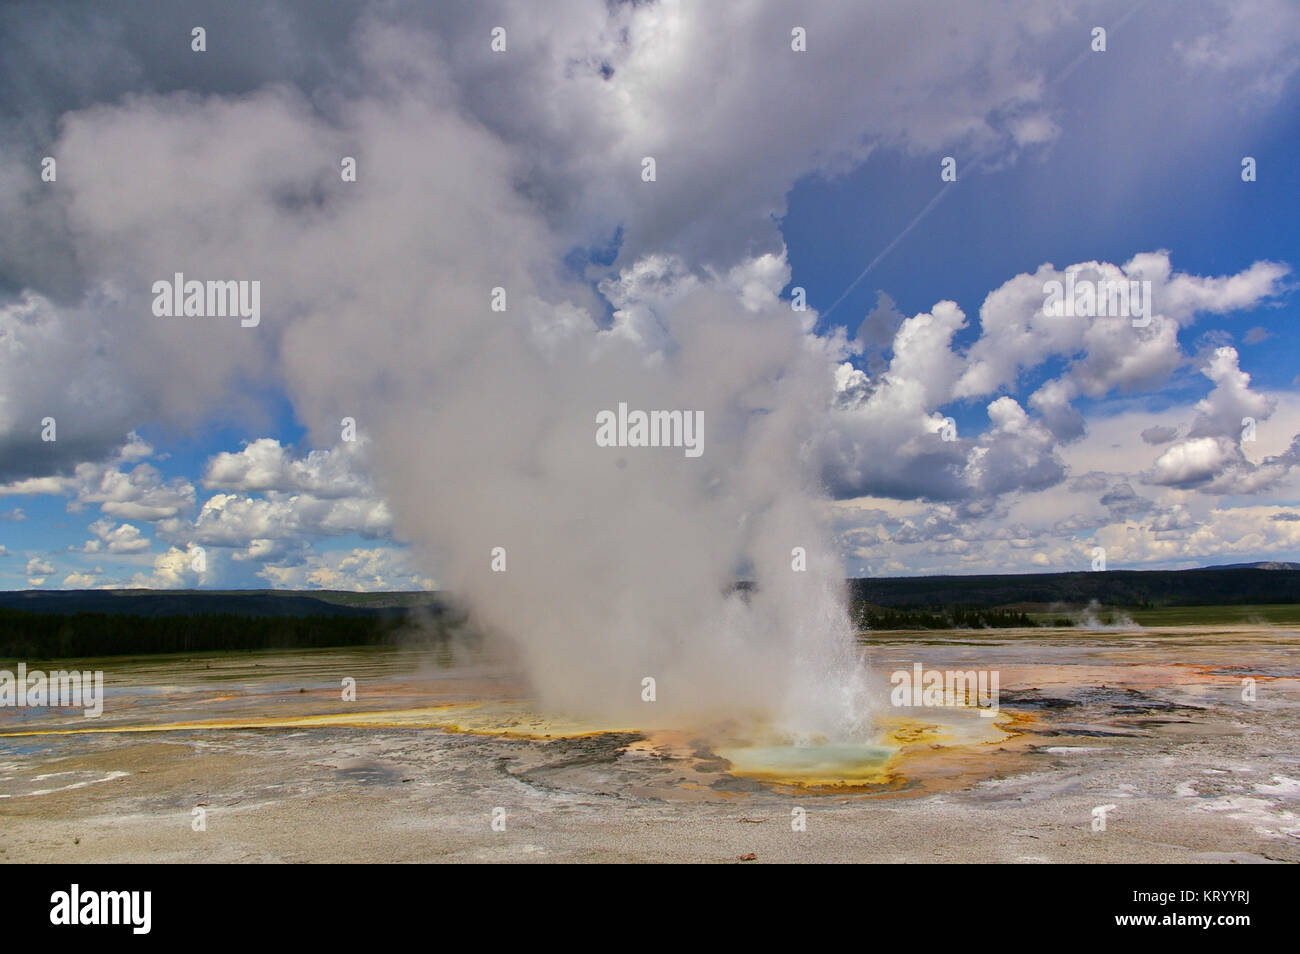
(1102, 504)
(886, 428)
(140, 493)
(1192, 462)
(231, 520)
(174, 569)
(122, 538)
(1223, 411)
(380, 568)
(1106, 352)
(82, 581)
(34, 486)
(1212, 456)
(265, 465)
(37, 570)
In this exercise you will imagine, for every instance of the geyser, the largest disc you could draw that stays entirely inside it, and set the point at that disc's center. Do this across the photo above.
(615, 565)
(601, 565)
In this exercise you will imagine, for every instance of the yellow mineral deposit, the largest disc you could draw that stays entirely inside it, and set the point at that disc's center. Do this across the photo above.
(759, 753)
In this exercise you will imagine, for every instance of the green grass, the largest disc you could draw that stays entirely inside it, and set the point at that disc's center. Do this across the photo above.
(1277, 614)
(1284, 614)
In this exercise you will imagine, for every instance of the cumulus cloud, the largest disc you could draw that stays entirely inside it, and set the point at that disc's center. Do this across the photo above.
(1192, 462)
(82, 580)
(37, 570)
(139, 494)
(1105, 352)
(1223, 411)
(1219, 533)
(177, 568)
(376, 568)
(936, 540)
(264, 465)
(122, 538)
(278, 503)
(1211, 456)
(121, 490)
(232, 520)
(887, 429)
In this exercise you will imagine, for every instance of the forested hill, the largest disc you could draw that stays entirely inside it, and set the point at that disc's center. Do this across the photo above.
(54, 624)
(1120, 588)
(154, 603)
(71, 623)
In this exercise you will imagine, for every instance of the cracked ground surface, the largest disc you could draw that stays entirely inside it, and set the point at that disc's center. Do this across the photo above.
(1152, 722)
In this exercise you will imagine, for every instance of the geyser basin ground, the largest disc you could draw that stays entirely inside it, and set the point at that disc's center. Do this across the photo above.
(415, 768)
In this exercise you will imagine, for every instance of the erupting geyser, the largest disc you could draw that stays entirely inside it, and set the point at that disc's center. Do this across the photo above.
(606, 566)
(477, 367)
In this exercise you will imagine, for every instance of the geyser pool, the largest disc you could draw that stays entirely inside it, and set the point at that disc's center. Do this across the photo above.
(812, 764)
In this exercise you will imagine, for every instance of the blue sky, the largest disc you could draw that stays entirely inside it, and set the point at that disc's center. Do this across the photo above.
(776, 172)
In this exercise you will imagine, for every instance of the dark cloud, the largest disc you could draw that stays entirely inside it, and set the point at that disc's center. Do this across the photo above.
(1159, 434)
(1123, 502)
